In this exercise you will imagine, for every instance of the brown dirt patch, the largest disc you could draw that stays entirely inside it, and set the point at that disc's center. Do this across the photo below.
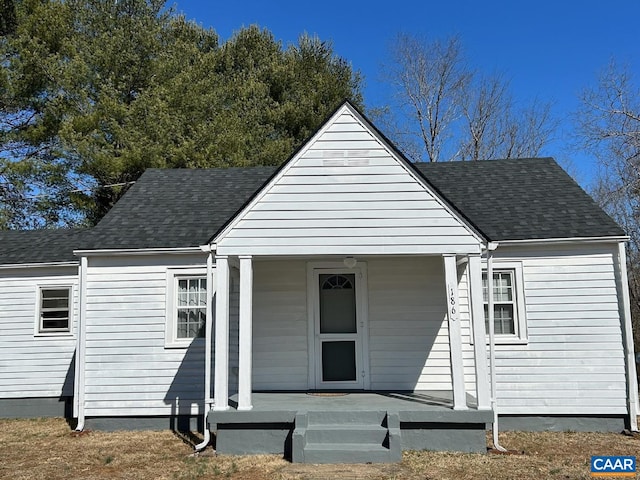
(46, 449)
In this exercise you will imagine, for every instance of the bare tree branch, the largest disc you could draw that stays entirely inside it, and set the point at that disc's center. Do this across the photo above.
(454, 112)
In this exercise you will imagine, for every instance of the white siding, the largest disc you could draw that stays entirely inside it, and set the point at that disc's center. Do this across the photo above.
(346, 193)
(128, 370)
(280, 358)
(408, 337)
(573, 362)
(33, 365)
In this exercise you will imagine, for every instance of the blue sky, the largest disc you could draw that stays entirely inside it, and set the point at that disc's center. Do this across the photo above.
(547, 49)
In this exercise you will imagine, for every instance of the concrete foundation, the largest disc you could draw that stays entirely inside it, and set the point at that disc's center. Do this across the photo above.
(562, 423)
(180, 423)
(36, 407)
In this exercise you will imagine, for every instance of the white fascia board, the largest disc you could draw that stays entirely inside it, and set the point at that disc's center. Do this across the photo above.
(136, 251)
(548, 241)
(38, 265)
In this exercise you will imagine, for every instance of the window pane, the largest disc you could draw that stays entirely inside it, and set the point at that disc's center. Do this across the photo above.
(182, 292)
(485, 296)
(54, 309)
(503, 323)
(338, 361)
(191, 307)
(503, 319)
(502, 290)
(55, 303)
(337, 304)
(201, 323)
(203, 292)
(55, 323)
(182, 324)
(502, 286)
(55, 293)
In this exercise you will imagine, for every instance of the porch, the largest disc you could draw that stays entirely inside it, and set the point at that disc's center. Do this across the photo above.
(349, 427)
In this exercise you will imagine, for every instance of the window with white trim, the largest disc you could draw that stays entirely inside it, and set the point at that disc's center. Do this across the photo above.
(508, 303)
(54, 310)
(191, 307)
(186, 306)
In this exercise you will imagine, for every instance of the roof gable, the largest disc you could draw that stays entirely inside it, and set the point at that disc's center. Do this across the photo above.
(347, 191)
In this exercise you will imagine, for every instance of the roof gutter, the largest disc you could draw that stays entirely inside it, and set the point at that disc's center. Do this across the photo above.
(555, 241)
(39, 264)
(136, 251)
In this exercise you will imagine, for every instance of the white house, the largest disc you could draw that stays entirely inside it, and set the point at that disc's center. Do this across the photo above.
(345, 290)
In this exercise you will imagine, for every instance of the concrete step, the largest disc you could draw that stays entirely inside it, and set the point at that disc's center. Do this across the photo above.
(347, 453)
(368, 417)
(346, 433)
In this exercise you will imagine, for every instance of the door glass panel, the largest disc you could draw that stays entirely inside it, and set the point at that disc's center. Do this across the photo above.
(339, 361)
(337, 303)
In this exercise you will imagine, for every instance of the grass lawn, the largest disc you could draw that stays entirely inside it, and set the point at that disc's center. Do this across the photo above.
(47, 449)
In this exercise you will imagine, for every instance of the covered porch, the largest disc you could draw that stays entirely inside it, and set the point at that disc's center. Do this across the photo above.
(417, 382)
(415, 323)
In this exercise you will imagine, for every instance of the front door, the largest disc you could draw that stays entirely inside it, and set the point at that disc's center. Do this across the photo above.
(339, 328)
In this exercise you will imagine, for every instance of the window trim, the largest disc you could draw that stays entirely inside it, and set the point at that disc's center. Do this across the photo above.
(520, 321)
(38, 329)
(171, 339)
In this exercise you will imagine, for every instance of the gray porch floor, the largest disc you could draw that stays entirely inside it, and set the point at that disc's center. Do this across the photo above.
(419, 406)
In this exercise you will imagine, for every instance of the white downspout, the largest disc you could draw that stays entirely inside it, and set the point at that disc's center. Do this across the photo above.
(208, 401)
(82, 342)
(632, 379)
(491, 246)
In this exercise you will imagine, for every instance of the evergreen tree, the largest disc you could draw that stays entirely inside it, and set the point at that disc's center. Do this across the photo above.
(93, 92)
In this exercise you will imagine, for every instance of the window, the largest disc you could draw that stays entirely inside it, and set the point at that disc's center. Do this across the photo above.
(508, 303)
(191, 307)
(186, 306)
(54, 310)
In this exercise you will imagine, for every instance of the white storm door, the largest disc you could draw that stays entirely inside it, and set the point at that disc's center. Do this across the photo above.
(339, 328)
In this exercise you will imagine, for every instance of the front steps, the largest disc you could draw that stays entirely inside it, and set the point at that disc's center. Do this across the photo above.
(346, 437)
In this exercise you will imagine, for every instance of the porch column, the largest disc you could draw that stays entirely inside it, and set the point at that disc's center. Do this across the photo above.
(244, 335)
(221, 368)
(479, 333)
(455, 339)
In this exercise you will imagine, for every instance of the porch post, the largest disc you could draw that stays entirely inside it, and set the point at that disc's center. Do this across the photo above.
(479, 333)
(455, 338)
(221, 368)
(244, 335)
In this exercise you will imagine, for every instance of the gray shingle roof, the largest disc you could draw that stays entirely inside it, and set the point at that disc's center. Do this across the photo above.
(520, 199)
(39, 246)
(173, 208)
(503, 199)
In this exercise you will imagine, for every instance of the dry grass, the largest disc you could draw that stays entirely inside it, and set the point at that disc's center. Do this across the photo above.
(46, 449)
